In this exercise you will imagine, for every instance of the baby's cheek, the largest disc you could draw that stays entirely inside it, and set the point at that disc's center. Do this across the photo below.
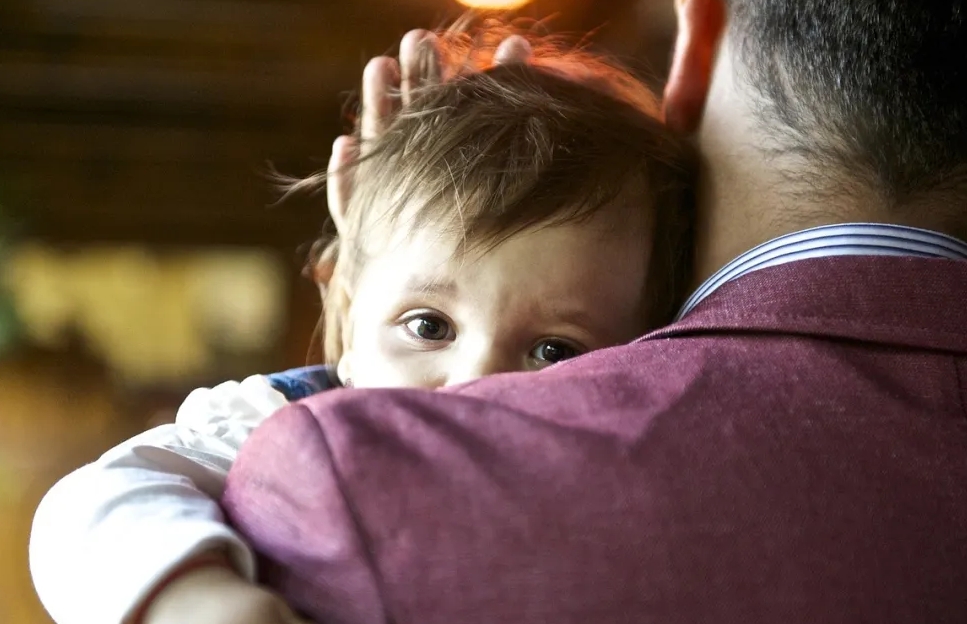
(384, 361)
(373, 372)
(392, 373)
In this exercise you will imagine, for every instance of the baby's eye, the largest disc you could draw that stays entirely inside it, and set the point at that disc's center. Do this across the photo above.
(553, 351)
(432, 328)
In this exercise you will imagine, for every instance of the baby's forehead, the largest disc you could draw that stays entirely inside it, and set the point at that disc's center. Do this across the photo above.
(548, 254)
(440, 237)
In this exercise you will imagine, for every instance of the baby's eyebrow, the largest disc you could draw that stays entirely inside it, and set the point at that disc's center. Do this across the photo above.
(575, 316)
(599, 322)
(431, 287)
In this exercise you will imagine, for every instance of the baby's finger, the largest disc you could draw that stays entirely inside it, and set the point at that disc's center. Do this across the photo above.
(381, 79)
(513, 49)
(340, 177)
(416, 67)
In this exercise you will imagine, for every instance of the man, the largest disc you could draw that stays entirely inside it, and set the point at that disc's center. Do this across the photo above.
(794, 449)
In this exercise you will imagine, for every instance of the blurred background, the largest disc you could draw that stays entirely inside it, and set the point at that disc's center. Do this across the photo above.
(141, 253)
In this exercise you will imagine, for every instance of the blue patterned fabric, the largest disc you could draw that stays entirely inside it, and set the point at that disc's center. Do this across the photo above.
(298, 383)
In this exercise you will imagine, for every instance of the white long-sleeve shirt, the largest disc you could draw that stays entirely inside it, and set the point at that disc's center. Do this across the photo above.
(106, 534)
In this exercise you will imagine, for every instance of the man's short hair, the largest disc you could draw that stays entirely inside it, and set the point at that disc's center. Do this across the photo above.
(876, 87)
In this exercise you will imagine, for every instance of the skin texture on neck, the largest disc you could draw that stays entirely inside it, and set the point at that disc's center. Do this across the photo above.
(748, 192)
(751, 190)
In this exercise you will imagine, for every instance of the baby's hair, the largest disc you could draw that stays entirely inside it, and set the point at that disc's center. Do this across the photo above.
(492, 150)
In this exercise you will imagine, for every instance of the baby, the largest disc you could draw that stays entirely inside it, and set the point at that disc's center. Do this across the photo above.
(511, 216)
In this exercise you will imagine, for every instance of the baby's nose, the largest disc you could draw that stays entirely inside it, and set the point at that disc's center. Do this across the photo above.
(488, 363)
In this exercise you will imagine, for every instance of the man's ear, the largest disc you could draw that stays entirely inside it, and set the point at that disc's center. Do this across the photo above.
(701, 25)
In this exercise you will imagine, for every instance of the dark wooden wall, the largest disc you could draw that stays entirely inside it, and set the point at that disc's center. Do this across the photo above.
(153, 120)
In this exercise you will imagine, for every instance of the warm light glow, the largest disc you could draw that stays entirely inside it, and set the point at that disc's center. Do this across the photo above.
(493, 4)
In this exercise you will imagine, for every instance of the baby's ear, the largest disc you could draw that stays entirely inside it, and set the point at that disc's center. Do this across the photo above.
(344, 369)
(339, 183)
(324, 266)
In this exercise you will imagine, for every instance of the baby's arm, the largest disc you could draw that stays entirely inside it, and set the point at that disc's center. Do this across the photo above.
(106, 535)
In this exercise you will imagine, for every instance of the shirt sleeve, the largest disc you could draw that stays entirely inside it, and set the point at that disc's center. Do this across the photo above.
(106, 534)
(285, 494)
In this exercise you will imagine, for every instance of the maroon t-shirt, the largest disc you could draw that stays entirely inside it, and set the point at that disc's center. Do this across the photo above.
(794, 451)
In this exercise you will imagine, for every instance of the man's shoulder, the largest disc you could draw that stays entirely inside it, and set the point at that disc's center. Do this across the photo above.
(604, 391)
(690, 387)
(700, 457)
(784, 453)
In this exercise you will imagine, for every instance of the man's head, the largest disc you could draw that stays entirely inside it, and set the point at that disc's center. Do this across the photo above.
(506, 219)
(839, 110)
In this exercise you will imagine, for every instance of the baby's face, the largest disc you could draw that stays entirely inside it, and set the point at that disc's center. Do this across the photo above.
(426, 316)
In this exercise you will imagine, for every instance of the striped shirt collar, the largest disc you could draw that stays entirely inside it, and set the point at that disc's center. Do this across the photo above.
(848, 239)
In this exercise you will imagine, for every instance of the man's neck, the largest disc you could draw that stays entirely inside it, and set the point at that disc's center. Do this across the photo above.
(749, 195)
(744, 203)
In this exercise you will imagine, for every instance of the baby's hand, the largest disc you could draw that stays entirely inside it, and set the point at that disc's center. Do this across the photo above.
(216, 595)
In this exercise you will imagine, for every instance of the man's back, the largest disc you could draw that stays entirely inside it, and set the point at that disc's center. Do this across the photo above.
(794, 451)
